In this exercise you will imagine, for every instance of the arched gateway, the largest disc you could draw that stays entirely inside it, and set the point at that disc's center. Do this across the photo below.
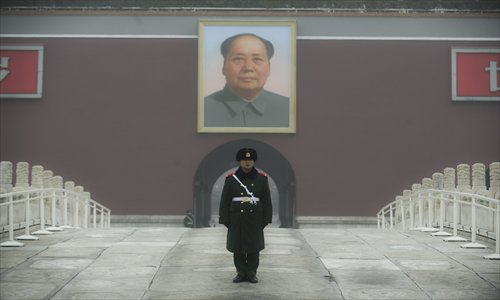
(222, 159)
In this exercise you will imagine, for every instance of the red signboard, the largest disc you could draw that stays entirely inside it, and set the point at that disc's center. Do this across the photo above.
(475, 74)
(21, 70)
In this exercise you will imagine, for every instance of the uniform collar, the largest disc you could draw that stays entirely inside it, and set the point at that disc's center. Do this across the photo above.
(236, 104)
(241, 175)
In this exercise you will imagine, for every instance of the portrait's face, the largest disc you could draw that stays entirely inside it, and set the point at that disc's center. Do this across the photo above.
(246, 66)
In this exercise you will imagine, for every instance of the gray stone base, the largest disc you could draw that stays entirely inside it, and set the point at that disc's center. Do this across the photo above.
(147, 220)
(336, 222)
(301, 221)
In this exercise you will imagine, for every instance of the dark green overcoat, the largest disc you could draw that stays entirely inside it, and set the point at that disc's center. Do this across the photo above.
(245, 221)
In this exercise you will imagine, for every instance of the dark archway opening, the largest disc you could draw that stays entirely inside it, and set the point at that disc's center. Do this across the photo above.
(222, 158)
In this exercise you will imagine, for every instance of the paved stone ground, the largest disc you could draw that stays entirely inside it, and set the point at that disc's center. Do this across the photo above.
(179, 263)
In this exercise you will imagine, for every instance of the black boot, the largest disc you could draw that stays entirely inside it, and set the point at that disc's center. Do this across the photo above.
(239, 278)
(252, 278)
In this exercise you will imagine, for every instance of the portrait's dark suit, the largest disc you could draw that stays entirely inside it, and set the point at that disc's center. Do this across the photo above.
(225, 109)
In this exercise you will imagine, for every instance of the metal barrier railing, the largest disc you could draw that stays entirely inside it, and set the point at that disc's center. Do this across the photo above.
(482, 208)
(68, 209)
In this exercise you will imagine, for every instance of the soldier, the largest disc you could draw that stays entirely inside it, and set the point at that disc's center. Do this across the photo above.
(245, 209)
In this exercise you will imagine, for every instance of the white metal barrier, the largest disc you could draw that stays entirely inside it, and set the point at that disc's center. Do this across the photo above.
(403, 209)
(68, 209)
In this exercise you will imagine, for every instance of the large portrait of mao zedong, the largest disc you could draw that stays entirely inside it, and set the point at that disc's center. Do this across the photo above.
(246, 76)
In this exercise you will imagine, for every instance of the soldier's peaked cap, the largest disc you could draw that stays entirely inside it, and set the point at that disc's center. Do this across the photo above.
(246, 153)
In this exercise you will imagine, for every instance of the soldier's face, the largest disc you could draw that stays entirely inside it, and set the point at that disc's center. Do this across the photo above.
(247, 164)
(246, 67)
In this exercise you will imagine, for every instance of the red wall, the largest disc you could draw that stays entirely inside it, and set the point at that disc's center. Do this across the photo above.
(118, 116)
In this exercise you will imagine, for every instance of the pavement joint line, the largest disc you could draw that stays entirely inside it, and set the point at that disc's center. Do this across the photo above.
(386, 257)
(56, 291)
(158, 268)
(439, 272)
(38, 252)
(453, 259)
(78, 273)
(330, 276)
(411, 279)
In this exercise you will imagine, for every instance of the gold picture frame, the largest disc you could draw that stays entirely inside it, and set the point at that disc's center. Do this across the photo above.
(271, 103)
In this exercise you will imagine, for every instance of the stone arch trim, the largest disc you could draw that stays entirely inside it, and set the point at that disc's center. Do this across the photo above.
(222, 158)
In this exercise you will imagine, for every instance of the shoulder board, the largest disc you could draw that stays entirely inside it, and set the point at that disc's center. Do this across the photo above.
(230, 174)
(262, 174)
